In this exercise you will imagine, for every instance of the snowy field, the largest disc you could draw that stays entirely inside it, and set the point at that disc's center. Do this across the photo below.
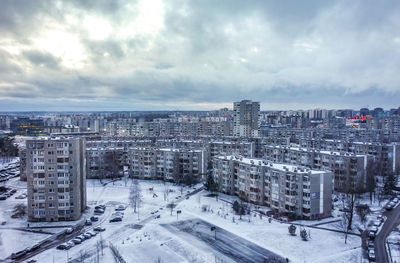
(140, 237)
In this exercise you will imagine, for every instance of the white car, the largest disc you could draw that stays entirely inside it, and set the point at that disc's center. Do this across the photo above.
(70, 244)
(120, 214)
(371, 255)
(377, 223)
(374, 229)
(87, 235)
(120, 208)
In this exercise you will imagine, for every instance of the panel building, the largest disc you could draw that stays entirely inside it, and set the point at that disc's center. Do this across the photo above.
(288, 189)
(246, 118)
(56, 176)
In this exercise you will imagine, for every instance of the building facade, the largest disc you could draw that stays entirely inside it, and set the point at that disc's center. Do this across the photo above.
(56, 179)
(288, 189)
(246, 118)
(348, 168)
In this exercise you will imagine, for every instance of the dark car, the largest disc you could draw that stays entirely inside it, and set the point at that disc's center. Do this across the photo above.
(388, 207)
(18, 254)
(94, 219)
(158, 216)
(88, 223)
(34, 247)
(98, 211)
(99, 229)
(102, 207)
(77, 241)
(116, 219)
(3, 197)
(62, 247)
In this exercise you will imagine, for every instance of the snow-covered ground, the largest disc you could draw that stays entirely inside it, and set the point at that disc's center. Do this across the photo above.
(153, 241)
(142, 238)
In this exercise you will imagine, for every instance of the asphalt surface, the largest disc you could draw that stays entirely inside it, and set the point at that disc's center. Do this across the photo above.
(58, 239)
(392, 221)
(238, 249)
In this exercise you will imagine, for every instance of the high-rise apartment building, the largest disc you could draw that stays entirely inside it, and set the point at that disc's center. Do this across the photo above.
(246, 118)
(56, 175)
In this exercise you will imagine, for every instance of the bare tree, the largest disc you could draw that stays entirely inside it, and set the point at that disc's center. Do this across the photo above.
(135, 196)
(111, 159)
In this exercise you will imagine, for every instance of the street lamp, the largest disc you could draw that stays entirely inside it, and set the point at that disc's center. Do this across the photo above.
(214, 228)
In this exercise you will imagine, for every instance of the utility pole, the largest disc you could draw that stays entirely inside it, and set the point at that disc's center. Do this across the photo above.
(177, 213)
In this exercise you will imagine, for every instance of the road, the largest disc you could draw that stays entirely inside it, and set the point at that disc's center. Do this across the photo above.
(392, 221)
(58, 238)
(236, 248)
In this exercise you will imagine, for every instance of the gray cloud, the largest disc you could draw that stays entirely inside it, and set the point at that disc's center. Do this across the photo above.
(286, 54)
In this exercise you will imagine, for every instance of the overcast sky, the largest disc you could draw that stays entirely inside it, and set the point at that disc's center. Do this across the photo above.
(198, 55)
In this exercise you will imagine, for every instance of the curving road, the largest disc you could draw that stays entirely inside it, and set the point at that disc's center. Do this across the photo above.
(392, 221)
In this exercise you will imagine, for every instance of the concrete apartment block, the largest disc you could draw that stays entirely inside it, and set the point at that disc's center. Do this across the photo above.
(56, 176)
(288, 189)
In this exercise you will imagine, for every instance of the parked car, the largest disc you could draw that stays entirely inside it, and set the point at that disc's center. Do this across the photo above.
(3, 197)
(18, 254)
(377, 223)
(374, 229)
(380, 217)
(81, 237)
(34, 247)
(62, 247)
(94, 219)
(388, 207)
(98, 211)
(99, 229)
(158, 216)
(120, 208)
(87, 236)
(393, 204)
(92, 233)
(88, 223)
(77, 241)
(116, 219)
(370, 245)
(70, 244)
(102, 207)
(69, 230)
(118, 214)
(395, 200)
(371, 235)
(371, 255)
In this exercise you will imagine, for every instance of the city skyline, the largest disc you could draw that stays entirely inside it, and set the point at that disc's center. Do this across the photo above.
(154, 55)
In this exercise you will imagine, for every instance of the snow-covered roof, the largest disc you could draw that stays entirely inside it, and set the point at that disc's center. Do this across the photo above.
(276, 166)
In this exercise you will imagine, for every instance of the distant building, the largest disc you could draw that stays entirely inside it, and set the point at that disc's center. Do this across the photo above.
(177, 165)
(378, 112)
(364, 112)
(56, 176)
(25, 126)
(246, 118)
